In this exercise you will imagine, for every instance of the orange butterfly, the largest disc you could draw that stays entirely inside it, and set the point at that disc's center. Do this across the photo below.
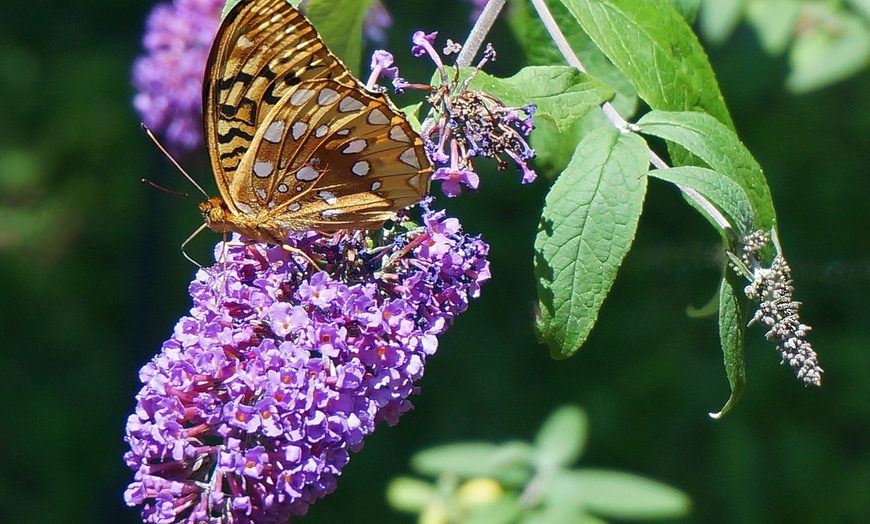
(296, 142)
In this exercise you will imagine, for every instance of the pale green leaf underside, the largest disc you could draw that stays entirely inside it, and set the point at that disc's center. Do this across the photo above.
(618, 495)
(587, 227)
(561, 439)
(540, 50)
(562, 94)
(720, 149)
(728, 197)
(820, 56)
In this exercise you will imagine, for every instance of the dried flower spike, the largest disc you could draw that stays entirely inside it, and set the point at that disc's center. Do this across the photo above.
(773, 288)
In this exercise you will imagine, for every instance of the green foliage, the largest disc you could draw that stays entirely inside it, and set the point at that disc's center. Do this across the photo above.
(339, 23)
(654, 47)
(487, 483)
(562, 94)
(593, 208)
(587, 226)
(731, 334)
(720, 149)
(826, 42)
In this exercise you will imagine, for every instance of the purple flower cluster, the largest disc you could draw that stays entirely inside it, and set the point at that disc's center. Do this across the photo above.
(168, 77)
(249, 412)
(469, 124)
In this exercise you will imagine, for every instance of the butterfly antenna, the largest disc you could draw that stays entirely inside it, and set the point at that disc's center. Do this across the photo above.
(174, 162)
(161, 188)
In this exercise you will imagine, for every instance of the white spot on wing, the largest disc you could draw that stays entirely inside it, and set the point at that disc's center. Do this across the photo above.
(274, 131)
(244, 42)
(377, 118)
(327, 96)
(349, 104)
(298, 129)
(282, 188)
(321, 131)
(409, 156)
(245, 208)
(361, 168)
(376, 185)
(414, 182)
(261, 193)
(330, 213)
(295, 206)
(354, 146)
(263, 168)
(300, 96)
(343, 132)
(328, 197)
(398, 134)
(307, 174)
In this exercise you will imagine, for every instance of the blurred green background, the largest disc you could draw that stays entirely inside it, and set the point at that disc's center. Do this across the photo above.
(92, 281)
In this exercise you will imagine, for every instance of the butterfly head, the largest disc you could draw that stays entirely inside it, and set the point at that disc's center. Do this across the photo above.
(215, 213)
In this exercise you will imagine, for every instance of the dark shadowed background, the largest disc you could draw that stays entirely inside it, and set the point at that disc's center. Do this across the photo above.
(92, 281)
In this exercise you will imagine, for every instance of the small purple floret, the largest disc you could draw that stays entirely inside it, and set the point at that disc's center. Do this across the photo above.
(454, 179)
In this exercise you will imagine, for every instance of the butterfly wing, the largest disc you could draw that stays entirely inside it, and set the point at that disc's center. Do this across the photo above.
(262, 49)
(328, 156)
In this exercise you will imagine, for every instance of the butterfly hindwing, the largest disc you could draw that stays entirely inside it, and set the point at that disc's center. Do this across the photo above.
(332, 157)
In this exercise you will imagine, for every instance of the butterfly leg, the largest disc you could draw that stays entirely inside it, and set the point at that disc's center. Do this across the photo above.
(296, 251)
(186, 242)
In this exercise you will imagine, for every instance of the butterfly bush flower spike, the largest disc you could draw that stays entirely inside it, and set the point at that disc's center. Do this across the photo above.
(250, 410)
(468, 124)
(168, 77)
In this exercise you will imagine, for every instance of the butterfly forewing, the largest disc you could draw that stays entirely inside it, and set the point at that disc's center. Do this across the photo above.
(332, 157)
(296, 142)
(262, 48)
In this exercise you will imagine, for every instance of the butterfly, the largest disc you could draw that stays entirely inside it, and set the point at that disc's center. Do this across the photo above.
(295, 141)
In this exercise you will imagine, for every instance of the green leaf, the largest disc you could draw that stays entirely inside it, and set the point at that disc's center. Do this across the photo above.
(828, 52)
(554, 149)
(720, 149)
(562, 94)
(587, 227)
(339, 23)
(731, 337)
(719, 18)
(655, 48)
(411, 113)
(862, 7)
(618, 495)
(774, 21)
(540, 50)
(688, 9)
(561, 439)
(476, 459)
(410, 495)
(728, 197)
